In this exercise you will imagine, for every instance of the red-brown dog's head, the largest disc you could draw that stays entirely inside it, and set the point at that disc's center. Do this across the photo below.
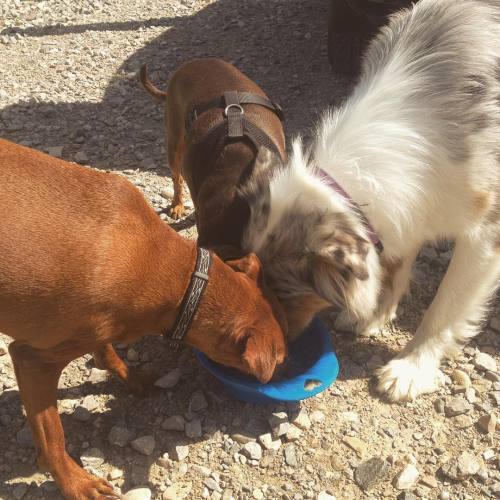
(239, 323)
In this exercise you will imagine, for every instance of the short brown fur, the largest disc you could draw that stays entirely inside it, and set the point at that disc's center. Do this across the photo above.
(84, 262)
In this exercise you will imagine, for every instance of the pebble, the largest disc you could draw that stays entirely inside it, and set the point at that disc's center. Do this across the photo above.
(279, 424)
(93, 457)
(137, 494)
(370, 473)
(252, 450)
(242, 437)
(115, 474)
(429, 481)
(484, 361)
(169, 380)
(461, 468)
(439, 405)
(98, 376)
(456, 406)
(193, 429)
(461, 378)
(267, 441)
(323, 495)
(356, 444)
(488, 454)
(90, 402)
(290, 455)
(179, 453)
(174, 423)
(24, 438)
(257, 494)
(3, 348)
(302, 420)
(317, 417)
(177, 491)
(132, 355)
(488, 423)
(212, 484)
(198, 402)
(463, 421)
(407, 477)
(120, 436)
(82, 414)
(144, 444)
(293, 433)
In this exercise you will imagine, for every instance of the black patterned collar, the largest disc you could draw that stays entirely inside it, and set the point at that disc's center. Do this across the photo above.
(191, 300)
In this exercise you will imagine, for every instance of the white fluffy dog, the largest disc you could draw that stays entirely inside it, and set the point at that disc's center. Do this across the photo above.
(417, 149)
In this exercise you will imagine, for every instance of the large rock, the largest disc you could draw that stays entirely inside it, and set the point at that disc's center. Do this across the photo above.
(462, 467)
(456, 406)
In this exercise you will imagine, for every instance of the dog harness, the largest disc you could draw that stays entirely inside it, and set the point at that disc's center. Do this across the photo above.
(333, 184)
(191, 299)
(236, 125)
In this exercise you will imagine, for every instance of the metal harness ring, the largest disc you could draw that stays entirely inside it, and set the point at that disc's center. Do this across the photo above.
(234, 105)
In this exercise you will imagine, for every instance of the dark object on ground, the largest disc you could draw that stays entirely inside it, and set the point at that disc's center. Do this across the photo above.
(351, 25)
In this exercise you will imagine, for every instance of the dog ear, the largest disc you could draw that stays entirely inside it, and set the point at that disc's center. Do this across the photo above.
(249, 264)
(334, 265)
(260, 357)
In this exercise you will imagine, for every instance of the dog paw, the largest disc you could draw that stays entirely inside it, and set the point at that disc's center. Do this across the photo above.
(177, 211)
(406, 378)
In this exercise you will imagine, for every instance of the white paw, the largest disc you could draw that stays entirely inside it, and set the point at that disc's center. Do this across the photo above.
(406, 378)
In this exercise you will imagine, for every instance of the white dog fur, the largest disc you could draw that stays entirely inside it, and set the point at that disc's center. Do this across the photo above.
(417, 146)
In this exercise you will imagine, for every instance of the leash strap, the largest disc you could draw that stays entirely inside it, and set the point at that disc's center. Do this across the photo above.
(333, 184)
(191, 299)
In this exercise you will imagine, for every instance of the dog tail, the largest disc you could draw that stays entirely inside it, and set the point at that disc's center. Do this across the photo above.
(146, 83)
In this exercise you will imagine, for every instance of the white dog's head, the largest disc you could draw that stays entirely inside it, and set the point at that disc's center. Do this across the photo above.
(313, 248)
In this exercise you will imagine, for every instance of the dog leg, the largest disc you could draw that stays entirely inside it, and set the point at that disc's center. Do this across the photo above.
(175, 157)
(137, 381)
(452, 318)
(396, 283)
(37, 382)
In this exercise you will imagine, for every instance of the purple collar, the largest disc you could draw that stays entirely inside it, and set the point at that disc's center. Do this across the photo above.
(333, 184)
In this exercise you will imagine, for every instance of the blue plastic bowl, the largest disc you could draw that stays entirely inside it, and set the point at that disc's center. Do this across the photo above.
(312, 354)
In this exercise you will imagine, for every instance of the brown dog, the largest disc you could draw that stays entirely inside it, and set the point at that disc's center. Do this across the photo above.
(84, 261)
(217, 120)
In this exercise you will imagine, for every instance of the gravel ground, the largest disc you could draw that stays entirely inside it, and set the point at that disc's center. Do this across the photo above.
(68, 86)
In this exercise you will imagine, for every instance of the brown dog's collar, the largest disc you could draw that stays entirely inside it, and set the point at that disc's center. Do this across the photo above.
(191, 299)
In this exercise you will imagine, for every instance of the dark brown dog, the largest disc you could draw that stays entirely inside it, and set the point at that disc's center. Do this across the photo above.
(84, 261)
(215, 165)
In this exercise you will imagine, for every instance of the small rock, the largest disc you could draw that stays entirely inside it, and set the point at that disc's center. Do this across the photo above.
(356, 444)
(470, 394)
(20, 490)
(242, 437)
(97, 376)
(192, 429)
(179, 453)
(266, 440)
(198, 402)
(290, 456)
(132, 355)
(90, 403)
(3, 348)
(317, 417)
(488, 454)
(252, 450)
(167, 193)
(115, 474)
(55, 151)
(323, 495)
(174, 423)
(169, 380)
(81, 157)
(293, 433)
(371, 472)
(429, 481)
(461, 468)
(461, 378)
(257, 494)
(439, 405)
(456, 406)
(212, 484)
(144, 444)
(24, 438)
(82, 414)
(444, 495)
(463, 421)
(177, 491)
(137, 494)
(488, 423)
(484, 361)
(93, 457)
(279, 424)
(495, 396)
(302, 420)
(120, 436)
(407, 478)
